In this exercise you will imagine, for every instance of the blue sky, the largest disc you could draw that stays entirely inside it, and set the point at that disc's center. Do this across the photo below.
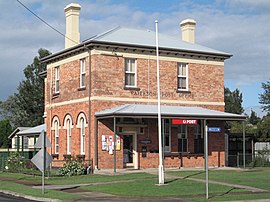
(239, 27)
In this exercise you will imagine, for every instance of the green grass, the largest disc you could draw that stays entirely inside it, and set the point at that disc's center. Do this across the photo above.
(19, 188)
(143, 185)
(256, 177)
(174, 187)
(82, 179)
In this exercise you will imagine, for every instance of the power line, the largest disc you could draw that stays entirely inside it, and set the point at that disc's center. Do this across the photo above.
(45, 22)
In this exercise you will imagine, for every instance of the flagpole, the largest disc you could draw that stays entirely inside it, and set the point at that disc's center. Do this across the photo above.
(160, 167)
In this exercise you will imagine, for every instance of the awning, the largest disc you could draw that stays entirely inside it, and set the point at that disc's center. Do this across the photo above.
(33, 131)
(151, 111)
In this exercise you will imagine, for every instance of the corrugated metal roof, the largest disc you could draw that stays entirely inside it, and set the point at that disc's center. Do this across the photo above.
(168, 111)
(128, 36)
(35, 130)
(17, 130)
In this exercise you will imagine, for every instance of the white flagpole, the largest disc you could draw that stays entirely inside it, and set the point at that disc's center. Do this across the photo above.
(160, 167)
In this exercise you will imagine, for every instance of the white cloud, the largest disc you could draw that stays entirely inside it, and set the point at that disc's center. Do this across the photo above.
(219, 26)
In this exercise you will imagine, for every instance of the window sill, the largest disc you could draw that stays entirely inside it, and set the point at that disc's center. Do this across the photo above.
(81, 88)
(80, 156)
(183, 154)
(55, 156)
(67, 156)
(183, 91)
(131, 88)
(55, 95)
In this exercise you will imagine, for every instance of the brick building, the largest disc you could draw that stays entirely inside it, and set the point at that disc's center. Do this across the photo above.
(101, 98)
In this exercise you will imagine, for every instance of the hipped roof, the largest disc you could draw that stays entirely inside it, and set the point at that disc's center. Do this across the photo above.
(141, 39)
(151, 111)
(147, 38)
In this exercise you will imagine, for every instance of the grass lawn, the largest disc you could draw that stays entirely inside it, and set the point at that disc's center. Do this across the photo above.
(255, 177)
(144, 185)
(148, 188)
(23, 189)
(82, 179)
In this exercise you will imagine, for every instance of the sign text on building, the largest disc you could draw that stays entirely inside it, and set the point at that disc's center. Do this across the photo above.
(214, 129)
(183, 121)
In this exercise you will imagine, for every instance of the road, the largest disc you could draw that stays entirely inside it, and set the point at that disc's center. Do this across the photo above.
(9, 198)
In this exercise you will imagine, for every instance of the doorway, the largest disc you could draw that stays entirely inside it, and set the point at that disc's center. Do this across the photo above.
(130, 151)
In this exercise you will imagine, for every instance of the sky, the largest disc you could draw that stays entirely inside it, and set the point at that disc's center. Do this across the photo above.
(239, 27)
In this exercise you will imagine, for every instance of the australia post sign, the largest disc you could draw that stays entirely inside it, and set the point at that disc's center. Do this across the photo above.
(184, 121)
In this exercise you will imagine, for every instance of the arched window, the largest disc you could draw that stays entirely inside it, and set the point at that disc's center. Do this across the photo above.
(82, 126)
(56, 136)
(68, 126)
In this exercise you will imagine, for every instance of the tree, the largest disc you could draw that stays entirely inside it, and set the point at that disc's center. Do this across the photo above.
(26, 107)
(5, 131)
(233, 101)
(265, 96)
(264, 129)
(253, 119)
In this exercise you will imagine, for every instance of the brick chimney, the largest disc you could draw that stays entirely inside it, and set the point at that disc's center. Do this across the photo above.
(72, 12)
(188, 30)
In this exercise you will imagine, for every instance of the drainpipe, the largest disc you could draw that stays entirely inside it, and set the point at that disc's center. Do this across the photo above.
(89, 107)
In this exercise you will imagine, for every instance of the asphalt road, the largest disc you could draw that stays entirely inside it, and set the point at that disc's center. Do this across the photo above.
(9, 198)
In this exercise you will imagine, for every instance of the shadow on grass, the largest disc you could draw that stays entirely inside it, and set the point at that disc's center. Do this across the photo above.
(223, 194)
(193, 174)
(172, 180)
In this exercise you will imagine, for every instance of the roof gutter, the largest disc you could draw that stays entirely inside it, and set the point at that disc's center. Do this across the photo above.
(81, 47)
(220, 118)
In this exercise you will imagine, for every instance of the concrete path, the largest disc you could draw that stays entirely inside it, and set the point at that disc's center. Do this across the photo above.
(248, 188)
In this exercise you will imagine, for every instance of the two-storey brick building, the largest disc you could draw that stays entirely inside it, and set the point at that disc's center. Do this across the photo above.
(101, 98)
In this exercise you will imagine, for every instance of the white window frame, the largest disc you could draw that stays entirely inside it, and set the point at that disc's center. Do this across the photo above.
(130, 72)
(182, 135)
(82, 73)
(68, 126)
(56, 137)
(57, 79)
(180, 76)
(168, 147)
(82, 135)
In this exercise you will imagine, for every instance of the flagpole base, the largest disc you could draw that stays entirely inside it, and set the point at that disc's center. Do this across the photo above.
(160, 174)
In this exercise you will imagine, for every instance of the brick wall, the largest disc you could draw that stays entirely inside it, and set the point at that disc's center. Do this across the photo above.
(107, 80)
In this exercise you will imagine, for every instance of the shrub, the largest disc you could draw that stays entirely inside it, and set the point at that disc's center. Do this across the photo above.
(15, 162)
(72, 167)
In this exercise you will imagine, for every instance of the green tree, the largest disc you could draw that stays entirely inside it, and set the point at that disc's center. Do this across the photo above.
(253, 119)
(237, 127)
(233, 101)
(264, 129)
(5, 131)
(26, 107)
(265, 96)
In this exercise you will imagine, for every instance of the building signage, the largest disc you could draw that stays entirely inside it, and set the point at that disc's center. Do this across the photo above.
(214, 129)
(183, 121)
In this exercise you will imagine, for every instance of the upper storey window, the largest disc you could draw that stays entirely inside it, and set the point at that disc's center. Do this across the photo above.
(130, 72)
(57, 80)
(182, 77)
(82, 73)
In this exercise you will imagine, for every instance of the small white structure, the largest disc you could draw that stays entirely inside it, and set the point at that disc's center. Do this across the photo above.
(262, 149)
(25, 137)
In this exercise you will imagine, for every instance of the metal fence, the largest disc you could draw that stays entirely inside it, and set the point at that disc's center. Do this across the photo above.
(258, 159)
